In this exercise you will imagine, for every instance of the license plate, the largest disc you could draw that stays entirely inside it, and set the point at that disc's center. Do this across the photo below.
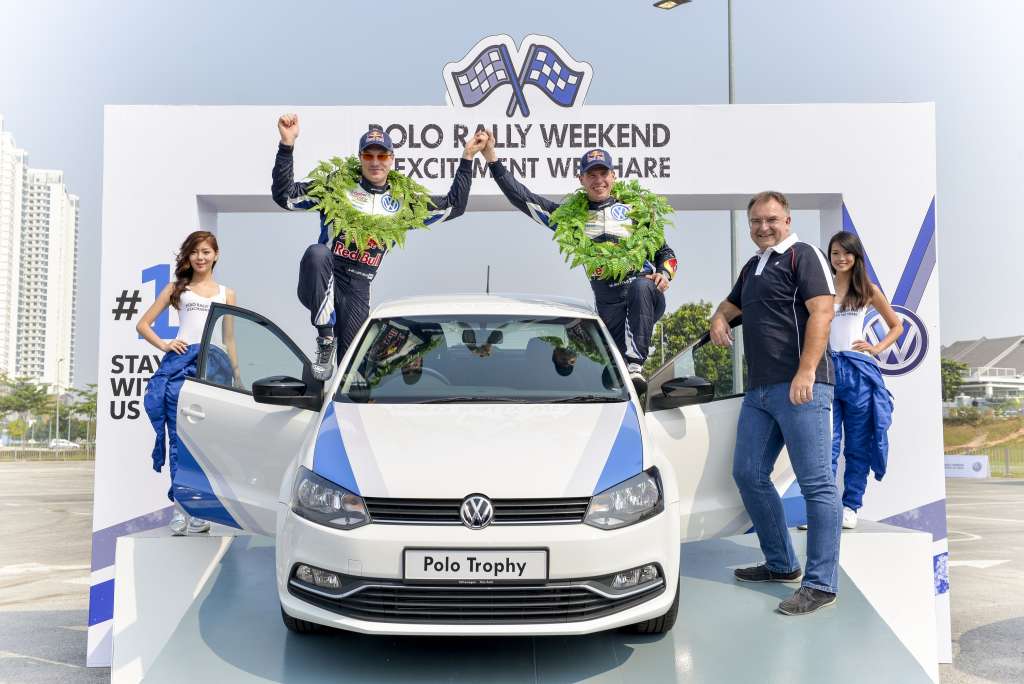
(475, 566)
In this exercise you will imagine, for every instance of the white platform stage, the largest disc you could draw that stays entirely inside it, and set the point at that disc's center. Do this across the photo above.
(206, 609)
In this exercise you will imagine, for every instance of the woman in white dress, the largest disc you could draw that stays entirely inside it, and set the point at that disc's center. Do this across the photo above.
(191, 294)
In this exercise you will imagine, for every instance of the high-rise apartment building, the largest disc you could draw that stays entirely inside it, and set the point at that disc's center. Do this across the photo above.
(12, 174)
(47, 293)
(38, 270)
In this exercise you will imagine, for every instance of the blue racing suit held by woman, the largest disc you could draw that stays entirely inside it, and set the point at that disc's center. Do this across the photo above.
(861, 410)
(161, 400)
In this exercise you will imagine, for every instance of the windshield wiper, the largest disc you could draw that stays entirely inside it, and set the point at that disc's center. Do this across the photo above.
(588, 399)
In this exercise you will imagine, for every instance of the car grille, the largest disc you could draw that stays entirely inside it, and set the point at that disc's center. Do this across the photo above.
(389, 601)
(506, 511)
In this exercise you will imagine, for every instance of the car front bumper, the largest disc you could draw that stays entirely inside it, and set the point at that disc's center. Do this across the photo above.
(576, 553)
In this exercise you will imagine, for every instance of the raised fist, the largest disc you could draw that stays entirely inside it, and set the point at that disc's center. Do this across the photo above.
(288, 127)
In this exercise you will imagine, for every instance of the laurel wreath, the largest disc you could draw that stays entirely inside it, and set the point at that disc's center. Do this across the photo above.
(612, 260)
(329, 184)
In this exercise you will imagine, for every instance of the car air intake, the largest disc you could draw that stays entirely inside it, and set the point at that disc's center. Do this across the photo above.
(506, 511)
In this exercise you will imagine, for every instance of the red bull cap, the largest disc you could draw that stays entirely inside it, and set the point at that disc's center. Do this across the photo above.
(594, 158)
(375, 136)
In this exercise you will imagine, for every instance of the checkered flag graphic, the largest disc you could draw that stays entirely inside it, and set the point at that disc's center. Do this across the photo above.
(546, 70)
(491, 68)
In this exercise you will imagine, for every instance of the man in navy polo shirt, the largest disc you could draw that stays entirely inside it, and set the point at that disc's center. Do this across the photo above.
(785, 294)
(629, 307)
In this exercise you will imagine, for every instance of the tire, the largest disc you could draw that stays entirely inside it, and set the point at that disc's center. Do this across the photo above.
(658, 625)
(300, 626)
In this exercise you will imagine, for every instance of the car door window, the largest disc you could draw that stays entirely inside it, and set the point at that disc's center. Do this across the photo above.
(724, 367)
(241, 347)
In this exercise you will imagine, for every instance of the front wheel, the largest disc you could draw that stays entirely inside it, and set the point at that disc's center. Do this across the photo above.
(300, 626)
(658, 625)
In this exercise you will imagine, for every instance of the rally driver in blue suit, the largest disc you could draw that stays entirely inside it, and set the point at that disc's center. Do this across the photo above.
(629, 307)
(334, 279)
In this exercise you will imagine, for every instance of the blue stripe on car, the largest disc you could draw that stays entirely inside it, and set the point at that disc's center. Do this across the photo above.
(626, 457)
(330, 459)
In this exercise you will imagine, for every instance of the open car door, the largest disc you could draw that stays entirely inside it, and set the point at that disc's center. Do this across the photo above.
(241, 431)
(692, 408)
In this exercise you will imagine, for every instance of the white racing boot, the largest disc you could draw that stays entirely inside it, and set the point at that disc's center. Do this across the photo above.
(323, 364)
(178, 523)
(636, 375)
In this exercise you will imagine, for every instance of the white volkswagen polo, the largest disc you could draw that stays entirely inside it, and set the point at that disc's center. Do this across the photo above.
(478, 466)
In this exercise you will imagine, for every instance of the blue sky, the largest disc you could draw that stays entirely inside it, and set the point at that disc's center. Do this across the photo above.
(64, 61)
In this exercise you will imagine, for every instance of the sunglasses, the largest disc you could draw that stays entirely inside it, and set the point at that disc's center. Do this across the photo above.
(372, 156)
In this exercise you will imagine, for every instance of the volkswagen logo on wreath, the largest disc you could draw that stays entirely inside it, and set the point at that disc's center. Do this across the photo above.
(908, 351)
(476, 512)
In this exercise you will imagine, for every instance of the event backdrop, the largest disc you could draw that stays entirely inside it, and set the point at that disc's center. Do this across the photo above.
(865, 167)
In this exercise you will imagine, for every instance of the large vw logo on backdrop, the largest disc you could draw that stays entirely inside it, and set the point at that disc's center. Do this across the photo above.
(476, 512)
(908, 351)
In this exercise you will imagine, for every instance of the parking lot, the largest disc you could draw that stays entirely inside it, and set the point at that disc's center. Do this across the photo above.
(46, 521)
(986, 552)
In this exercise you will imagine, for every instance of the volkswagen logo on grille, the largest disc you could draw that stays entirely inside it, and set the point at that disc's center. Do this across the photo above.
(476, 512)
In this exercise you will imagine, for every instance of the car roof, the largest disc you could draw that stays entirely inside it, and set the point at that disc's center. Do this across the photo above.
(484, 304)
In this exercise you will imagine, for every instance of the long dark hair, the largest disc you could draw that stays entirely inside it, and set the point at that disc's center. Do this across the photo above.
(182, 268)
(859, 293)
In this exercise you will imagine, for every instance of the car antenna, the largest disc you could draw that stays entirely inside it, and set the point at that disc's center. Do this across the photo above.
(487, 284)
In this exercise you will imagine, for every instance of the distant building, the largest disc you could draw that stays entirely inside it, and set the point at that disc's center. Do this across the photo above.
(46, 312)
(995, 368)
(38, 270)
(12, 176)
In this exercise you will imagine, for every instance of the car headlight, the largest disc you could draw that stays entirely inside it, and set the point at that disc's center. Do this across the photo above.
(629, 502)
(326, 503)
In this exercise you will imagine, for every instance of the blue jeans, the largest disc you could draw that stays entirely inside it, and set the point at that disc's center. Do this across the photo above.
(767, 421)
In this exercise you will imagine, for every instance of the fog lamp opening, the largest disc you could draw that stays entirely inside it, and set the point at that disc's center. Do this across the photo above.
(635, 577)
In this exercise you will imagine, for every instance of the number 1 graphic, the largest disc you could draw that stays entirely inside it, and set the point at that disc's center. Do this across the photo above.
(160, 275)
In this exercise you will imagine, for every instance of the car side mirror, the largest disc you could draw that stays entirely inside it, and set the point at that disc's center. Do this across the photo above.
(683, 392)
(283, 390)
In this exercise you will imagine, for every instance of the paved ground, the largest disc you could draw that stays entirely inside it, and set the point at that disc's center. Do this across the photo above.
(45, 525)
(45, 532)
(986, 552)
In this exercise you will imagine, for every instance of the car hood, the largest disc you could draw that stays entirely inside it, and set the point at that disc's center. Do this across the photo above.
(446, 451)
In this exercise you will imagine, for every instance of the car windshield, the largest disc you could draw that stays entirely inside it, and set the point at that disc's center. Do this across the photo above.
(451, 359)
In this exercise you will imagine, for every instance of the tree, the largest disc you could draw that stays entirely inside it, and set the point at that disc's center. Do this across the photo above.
(85, 406)
(952, 378)
(682, 328)
(17, 429)
(25, 396)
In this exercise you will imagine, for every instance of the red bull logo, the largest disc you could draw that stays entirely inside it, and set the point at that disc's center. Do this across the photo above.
(357, 256)
(375, 136)
(595, 154)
